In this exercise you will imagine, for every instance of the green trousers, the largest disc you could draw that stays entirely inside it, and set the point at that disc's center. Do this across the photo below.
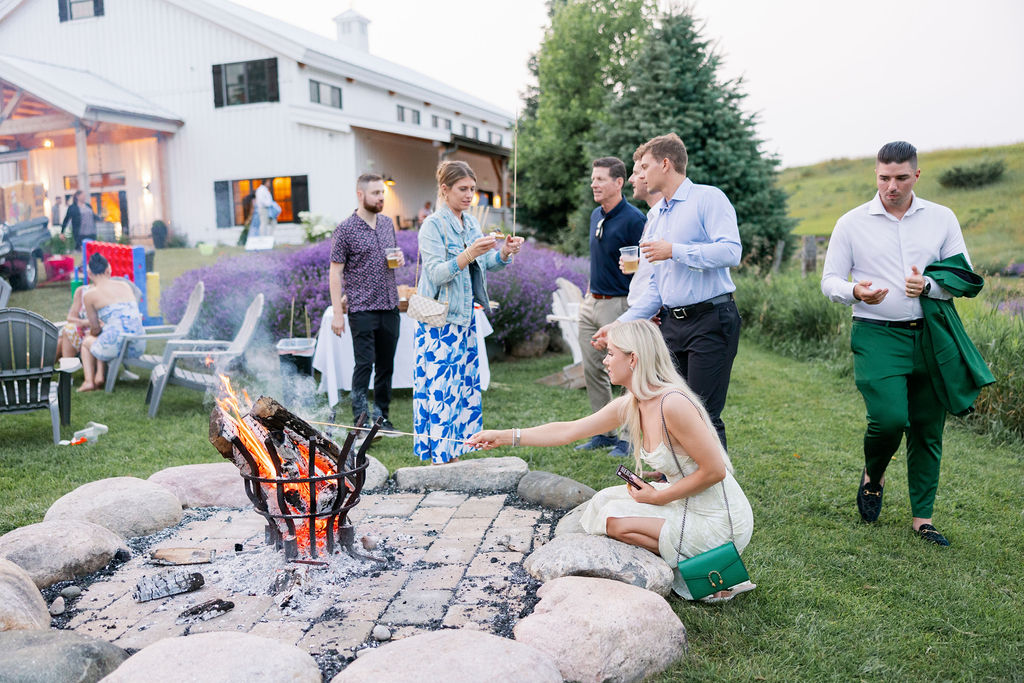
(891, 375)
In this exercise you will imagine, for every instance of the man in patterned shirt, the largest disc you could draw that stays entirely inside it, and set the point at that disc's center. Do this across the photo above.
(359, 265)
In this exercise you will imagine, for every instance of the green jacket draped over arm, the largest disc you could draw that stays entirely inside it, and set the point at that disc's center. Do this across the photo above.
(958, 371)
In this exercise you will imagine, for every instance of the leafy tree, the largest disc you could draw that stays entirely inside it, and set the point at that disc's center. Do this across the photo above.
(584, 56)
(673, 87)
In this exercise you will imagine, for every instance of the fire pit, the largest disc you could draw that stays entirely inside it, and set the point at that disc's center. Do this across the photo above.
(297, 479)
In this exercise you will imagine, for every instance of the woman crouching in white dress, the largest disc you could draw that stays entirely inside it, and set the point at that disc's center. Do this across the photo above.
(699, 471)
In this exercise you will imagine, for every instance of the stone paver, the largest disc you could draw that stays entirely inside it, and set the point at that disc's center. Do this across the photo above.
(336, 635)
(451, 556)
(285, 630)
(417, 607)
(444, 499)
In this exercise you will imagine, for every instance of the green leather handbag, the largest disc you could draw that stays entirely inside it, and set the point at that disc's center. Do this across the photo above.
(713, 570)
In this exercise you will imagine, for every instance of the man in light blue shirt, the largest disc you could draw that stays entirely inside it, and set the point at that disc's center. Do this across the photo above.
(692, 242)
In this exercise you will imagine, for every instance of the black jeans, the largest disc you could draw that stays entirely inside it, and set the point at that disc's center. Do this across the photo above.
(374, 340)
(704, 348)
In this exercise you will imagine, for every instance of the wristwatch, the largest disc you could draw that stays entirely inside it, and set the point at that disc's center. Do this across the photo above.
(927, 288)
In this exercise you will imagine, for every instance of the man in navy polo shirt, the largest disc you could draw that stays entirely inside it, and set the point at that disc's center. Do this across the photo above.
(359, 264)
(614, 224)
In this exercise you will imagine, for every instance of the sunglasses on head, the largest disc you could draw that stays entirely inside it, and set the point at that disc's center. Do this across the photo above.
(600, 229)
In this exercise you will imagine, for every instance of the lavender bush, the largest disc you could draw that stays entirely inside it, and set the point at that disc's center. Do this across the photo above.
(522, 290)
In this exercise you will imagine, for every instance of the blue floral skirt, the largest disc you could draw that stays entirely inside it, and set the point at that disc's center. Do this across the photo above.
(446, 403)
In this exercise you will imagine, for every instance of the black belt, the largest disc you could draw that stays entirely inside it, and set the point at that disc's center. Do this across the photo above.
(683, 312)
(900, 324)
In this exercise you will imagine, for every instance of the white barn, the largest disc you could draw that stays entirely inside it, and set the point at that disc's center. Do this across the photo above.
(176, 109)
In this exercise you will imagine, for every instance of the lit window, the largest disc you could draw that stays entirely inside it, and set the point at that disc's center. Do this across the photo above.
(234, 198)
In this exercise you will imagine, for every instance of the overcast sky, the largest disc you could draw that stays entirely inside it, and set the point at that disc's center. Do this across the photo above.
(827, 79)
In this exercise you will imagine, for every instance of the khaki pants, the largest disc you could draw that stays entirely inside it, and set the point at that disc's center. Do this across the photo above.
(595, 314)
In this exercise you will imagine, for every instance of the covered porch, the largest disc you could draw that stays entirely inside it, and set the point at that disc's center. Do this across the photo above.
(409, 166)
(70, 130)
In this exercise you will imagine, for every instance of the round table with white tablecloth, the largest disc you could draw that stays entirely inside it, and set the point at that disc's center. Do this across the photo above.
(335, 359)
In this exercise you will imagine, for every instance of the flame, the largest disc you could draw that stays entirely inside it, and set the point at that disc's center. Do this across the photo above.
(234, 409)
(208, 361)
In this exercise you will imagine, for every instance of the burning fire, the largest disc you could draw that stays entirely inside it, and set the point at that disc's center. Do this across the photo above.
(234, 408)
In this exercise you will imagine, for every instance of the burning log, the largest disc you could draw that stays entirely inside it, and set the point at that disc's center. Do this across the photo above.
(205, 611)
(153, 587)
(299, 480)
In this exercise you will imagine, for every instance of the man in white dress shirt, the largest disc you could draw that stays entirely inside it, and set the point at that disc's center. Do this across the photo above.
(693, 241)
(885, 245)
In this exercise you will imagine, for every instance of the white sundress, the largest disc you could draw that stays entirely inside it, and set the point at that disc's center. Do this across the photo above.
(707, 522)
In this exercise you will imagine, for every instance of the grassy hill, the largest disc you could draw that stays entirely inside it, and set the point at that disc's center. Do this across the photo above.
(992, 216)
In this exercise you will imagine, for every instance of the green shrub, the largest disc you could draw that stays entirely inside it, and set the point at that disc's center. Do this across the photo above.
(789, 315)
(968, 177)
(159, 233)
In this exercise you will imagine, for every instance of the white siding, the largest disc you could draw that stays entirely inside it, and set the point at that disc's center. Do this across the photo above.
(165, 54)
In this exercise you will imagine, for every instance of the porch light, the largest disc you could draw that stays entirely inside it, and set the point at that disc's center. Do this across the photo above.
(47, 143)
(389, 181)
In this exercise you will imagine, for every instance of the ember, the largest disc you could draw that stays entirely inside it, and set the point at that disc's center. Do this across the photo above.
(300, 481)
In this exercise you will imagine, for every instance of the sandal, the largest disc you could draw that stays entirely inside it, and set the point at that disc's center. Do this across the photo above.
(931, 534)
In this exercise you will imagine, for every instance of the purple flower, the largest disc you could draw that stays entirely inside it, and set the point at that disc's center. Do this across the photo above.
(522, 290)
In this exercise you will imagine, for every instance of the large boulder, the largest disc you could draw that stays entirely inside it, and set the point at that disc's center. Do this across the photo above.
(553, 491)
(598, 630)
(52, 656)
(216, 484)
(571, 523)
(21, 605)
(482, 474)
(222, 656)
(376, 474)
(599, 556)
(451, 656)
(127, 506)
(61, 550)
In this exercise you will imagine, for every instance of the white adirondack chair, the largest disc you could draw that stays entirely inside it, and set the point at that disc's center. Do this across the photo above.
(148, 361)
(565, 310)
(217, 354)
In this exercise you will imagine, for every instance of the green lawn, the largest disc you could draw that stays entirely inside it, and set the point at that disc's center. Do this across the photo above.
(837, 599)
(992, 216)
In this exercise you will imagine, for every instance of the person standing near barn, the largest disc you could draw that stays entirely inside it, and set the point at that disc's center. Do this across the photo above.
(359, 266)
(907, 259)
(82, 219)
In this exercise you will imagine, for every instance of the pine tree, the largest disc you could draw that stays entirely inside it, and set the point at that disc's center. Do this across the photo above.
(584, 56)
(673, 87)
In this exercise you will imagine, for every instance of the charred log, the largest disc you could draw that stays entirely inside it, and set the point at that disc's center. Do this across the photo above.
(153, 587)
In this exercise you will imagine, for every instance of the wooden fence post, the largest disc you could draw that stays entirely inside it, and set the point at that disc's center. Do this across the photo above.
(809, 255)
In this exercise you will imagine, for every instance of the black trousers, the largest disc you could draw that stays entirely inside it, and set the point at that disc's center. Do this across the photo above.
(374, 340)
(704, 347)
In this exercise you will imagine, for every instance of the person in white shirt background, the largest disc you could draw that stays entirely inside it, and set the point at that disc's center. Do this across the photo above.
(885, 245)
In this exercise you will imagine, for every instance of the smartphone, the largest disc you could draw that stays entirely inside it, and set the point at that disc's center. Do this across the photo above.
(629, 476)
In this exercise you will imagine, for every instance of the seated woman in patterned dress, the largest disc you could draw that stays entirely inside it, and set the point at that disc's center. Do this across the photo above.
(674, 437)
(76, 326)
(113, 313)
(446, 380)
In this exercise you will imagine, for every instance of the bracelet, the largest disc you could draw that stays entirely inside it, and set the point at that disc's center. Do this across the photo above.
(517, 434)
(469, 259)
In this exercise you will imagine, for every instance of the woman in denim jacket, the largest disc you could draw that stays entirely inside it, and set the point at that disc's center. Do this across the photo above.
(455, 257)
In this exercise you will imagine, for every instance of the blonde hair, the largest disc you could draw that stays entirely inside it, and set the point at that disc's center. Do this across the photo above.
(654, 375)
(451, 172)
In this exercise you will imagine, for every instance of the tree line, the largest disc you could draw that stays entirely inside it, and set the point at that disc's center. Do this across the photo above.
(611, 74)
